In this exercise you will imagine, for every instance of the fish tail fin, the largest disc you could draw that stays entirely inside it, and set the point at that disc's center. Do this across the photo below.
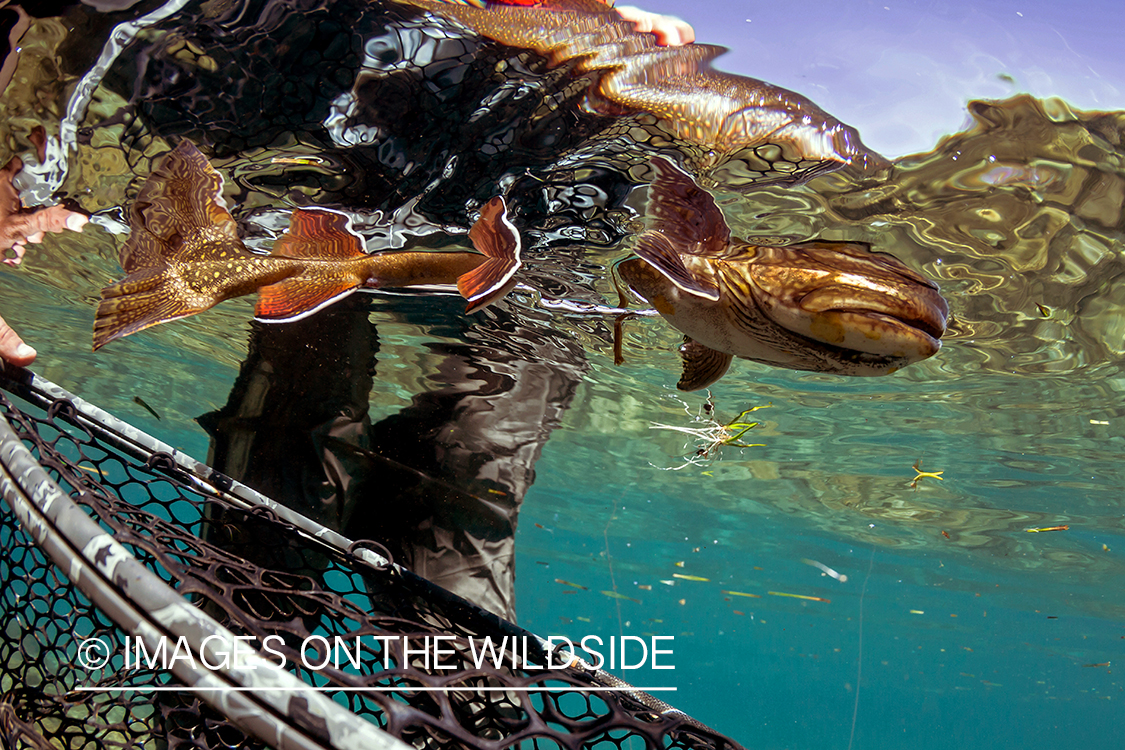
(495, 237)
(142, 299)
(177, 218)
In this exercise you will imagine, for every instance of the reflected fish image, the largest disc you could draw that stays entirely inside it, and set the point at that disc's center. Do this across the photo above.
(737, 131)
(184, 256)
(832, 307)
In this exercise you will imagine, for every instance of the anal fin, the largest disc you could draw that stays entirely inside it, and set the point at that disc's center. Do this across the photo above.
(495, 237)
(702, 365)
(300, 296)
(657, 250)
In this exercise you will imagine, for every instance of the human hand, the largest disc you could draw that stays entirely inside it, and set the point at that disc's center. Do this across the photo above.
(12, 348)
(19, 229)
(669, 30)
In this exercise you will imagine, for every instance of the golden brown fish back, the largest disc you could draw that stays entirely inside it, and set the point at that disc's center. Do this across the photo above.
(738, 131)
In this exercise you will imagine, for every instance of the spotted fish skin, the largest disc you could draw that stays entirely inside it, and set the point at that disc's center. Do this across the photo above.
(833, 307)
(747, 132)
(184, 256)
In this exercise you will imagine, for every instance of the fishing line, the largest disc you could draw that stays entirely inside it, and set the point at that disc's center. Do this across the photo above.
(612, 582)
(609, 561)
(859, 658)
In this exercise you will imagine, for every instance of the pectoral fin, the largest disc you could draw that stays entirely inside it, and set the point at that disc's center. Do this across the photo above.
(702, 365)
(684, 212)
(657, 250)
(495, 237)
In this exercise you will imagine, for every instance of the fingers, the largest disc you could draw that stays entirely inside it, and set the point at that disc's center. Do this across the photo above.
(18, 230)
(669, 30)
(12, 348)
(19, 251)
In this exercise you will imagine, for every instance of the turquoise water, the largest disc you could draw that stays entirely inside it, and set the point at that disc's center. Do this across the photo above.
(955, 626)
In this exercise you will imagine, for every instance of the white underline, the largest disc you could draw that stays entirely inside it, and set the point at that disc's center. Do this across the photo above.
(402, 689)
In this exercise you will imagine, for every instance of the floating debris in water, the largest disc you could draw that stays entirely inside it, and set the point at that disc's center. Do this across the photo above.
(825, 570)
(141, 402)
(712, 435)
(1047, 528)
(922, 474)
(568, 583)
(690, 578)
(800, 596)
(743, 593)
(616, 595)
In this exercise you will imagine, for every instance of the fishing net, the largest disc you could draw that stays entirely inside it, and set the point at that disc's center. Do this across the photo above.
(108, 534)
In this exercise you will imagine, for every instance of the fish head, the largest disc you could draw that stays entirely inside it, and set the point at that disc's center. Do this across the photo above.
(823, 307)
(872, 312)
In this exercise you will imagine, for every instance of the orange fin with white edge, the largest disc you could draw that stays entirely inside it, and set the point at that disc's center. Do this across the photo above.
(320, 234)
(313, 234)
(495, 237)
(298, 297)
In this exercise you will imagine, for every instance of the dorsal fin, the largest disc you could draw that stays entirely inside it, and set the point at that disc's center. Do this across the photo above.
(702, 365)
(320, 234)
(180, 210)
(495, 237)
(684, 212)
(657, 250)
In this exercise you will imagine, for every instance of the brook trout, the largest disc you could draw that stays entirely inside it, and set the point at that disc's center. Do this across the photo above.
(184, 256)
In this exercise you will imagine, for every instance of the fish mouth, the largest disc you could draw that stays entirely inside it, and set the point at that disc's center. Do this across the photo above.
(849, 298)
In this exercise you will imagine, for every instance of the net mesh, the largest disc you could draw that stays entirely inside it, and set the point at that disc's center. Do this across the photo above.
(273, 582)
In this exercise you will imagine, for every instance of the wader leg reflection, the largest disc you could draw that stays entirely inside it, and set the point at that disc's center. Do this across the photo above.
(439, 483)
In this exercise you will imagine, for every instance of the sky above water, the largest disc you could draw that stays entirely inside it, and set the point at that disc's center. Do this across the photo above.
(901, 72)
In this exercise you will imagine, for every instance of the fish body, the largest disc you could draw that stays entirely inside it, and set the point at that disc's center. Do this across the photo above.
(830, 307)
(184, 256)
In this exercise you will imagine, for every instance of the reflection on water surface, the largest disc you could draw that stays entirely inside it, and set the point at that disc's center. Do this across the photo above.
(407, 123)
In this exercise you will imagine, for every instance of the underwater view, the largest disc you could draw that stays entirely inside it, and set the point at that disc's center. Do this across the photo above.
(818, 381)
